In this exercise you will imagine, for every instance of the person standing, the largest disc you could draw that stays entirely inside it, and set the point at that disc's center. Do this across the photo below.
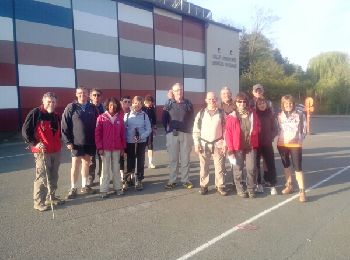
(265, 150)
(138, 128)
(242, 140)
(258, 92)
(227, 103)
(78, 132)
(292, 131)
(177, 119)
(95, 99)
(125, 101)
(150, 110)
(110, 144)
(41, 131)
(208, 137)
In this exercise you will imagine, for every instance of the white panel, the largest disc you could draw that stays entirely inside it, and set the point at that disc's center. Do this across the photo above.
(161, 97)
(168, 54)
(6, 27)
(194, 85)
(167, 14)
(97, 61)
(96, 24)
(129, 14)
(8, 97)
(46, 76)
(194, 58)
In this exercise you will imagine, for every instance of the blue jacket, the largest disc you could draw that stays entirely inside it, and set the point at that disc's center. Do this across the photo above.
(139, 120)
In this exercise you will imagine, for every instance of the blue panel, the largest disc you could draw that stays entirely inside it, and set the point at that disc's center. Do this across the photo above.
(39, 12)
(6, 8)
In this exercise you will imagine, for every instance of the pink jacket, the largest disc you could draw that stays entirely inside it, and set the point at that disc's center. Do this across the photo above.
(233, 131)
(110, 136)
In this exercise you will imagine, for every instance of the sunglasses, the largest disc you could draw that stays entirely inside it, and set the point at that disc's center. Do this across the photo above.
(241, 101)
(96, 95)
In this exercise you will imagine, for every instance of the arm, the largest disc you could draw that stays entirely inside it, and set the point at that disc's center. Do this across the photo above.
(148, 128)
(99, 134)
(196, 133)
(28, 128)
(122, 133)
(229, 134)
(165, 120)
(67, 126)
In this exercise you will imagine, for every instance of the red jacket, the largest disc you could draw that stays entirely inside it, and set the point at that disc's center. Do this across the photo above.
(40, 126)
(233, 131)
(110, 136)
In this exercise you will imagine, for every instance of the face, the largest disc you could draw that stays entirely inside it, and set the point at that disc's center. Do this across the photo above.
(126, 103)
(258, 92)
(241, 103)
(82, 95)
(225, 95)
(148, 103)
(288, 106)
(49, 104)
(211, 100)
(112, 108)
(261, 105)
(177, 92)
(137, 105)
(95, 97)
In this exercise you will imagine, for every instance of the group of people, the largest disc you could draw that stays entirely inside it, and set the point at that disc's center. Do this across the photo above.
(239, 129)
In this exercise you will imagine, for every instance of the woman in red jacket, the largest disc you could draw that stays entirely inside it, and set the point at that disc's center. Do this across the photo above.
(242, 141)
(110, 144)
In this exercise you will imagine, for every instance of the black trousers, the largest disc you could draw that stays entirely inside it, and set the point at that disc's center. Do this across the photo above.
(131, 159)
(294, 153)
(92, 166)
(267, 153)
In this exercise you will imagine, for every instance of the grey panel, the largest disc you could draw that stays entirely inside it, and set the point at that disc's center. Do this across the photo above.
(136, 49)
(44, 34)
(170, 69)
(136, 66)
(193, 71)
(88, 41)
(106, 8)
(63, 3)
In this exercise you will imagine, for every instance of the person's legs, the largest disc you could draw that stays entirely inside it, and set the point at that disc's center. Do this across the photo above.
(92, 169)
(269, 158)
(185, 150)
(204, 160)
(238, 171)
(250, 160)
(40, 190)
(130, 159)
(218, 158)
(55, 159)
(140, 160)
(296, 154)
(173, 148)
(106, 167)
(76, 163)
(285, 153)
(85, 161)
(115, 170)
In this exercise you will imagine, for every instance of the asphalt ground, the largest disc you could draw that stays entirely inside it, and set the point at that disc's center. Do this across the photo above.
(180, 224)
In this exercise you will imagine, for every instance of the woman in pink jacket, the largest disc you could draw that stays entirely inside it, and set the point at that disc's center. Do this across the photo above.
(242, 141)
(110, 144)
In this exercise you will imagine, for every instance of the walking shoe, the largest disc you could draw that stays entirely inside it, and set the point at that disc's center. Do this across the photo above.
(104, 195)
(151, 166)
(259, 188)
(268, 184)
(273, 191)
(125, 186)
(72, 194)
(188, 185)
(170, 186)
(54, 199)
(221, 191)
(203, 190)
(251, 194)
(138, 185)
(242, 194)
(302, 196)
(41, 207)
(113, 192)
(288, 189)
(121, 192)
(87, 190)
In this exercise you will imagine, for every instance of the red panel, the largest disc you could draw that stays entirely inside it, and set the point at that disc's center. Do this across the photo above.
(192, 44)
(98, 79)
(132, 93)
(42, 55)
(7, 74)
(9, 120)
(197, 98)
(107, 93)
(135, 32)
(165, 83)
(137, 82)
(168, 39)
(194, 29)
(7, 52)
(167, 24)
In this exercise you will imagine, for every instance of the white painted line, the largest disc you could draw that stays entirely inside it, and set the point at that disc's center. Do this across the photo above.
(16, 155)
(261, 214)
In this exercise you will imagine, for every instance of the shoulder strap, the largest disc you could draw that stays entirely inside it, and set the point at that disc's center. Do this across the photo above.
(127, 118)
(199, 123)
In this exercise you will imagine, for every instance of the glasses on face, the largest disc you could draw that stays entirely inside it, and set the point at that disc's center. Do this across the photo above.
(96, 95)
(126, 101)
(241, 101)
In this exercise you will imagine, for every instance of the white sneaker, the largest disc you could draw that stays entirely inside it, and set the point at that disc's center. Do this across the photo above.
(273, 191)
(151, 166)
(259, 188)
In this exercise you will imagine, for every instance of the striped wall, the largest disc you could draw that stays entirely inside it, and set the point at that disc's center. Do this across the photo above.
(136, 50)
(120, 47)
(45, 51)
(8, 82)
(96, 45)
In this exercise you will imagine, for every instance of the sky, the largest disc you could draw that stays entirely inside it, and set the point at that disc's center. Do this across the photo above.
(305, 28)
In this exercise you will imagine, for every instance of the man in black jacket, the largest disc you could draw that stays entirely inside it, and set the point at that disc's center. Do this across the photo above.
(78, 132)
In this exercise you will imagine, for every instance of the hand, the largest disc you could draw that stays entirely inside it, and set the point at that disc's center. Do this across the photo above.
(198, 148)
(69, 146)
(136, 139)
(101, 152)
(40, 146)
(121, 152)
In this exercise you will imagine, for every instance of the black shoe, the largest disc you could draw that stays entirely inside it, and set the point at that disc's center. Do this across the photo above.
(87, 190)
(203, 190)
(55, 200)
(72, 194)
(170, 186)
(221, 191)
(138, 185)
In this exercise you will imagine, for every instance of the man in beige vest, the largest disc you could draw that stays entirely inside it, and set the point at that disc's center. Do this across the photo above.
(208, 133)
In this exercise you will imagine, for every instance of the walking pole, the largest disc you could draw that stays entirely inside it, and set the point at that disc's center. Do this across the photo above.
(48, 184)
(137, 135)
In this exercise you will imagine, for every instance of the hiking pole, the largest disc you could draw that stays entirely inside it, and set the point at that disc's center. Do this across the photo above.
(137, 136)
(48, 184)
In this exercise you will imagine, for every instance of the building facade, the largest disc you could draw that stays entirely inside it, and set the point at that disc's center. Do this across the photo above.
(122, 47)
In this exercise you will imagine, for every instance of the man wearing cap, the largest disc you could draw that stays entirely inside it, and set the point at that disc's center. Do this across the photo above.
(258, 92)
